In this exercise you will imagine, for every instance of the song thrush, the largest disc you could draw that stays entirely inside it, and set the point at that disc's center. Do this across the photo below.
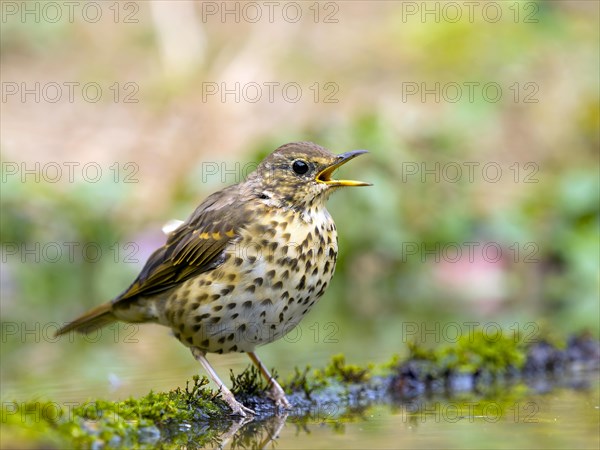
(245, 267)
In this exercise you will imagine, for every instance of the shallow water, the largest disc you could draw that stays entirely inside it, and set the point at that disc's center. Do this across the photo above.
(562, 418)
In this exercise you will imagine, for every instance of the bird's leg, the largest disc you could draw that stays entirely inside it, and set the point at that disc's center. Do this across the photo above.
(237, 407)
(276, 391)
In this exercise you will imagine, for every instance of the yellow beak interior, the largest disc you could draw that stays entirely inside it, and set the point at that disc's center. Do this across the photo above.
(325, 176)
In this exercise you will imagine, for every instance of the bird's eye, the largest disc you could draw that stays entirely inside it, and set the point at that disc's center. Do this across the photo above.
(300, 167)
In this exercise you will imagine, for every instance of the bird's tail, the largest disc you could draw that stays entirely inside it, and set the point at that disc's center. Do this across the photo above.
(92, 320)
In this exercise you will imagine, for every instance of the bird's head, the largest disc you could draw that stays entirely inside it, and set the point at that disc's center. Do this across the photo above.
(300, 174)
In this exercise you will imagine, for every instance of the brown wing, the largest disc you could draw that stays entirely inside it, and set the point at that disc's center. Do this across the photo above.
(195, 247)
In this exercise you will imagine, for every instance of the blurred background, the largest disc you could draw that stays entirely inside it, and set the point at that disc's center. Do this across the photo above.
(482, 124)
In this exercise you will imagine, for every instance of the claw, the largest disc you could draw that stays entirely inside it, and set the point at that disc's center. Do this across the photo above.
(276, 392)
(237, 409)
(278, 396)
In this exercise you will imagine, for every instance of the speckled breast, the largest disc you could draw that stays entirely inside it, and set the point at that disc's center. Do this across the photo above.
(270, 278)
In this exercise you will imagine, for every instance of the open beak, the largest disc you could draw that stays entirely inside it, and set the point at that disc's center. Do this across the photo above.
(325, 175)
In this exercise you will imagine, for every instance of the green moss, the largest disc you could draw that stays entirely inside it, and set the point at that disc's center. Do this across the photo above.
(385, 368)
(338, 370)
(416, 351)
(196, 416)
(249, 382)
(301, 381)
(477, 351)
(123, 423)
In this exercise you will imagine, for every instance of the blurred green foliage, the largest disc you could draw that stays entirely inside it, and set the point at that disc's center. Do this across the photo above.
(378, 285)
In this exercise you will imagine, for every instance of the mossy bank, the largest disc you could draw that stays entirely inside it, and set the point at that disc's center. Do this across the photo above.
(478, 367)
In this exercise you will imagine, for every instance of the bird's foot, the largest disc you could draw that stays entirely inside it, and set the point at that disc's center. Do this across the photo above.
(237, 409)
(240, 410)
(277, 394)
